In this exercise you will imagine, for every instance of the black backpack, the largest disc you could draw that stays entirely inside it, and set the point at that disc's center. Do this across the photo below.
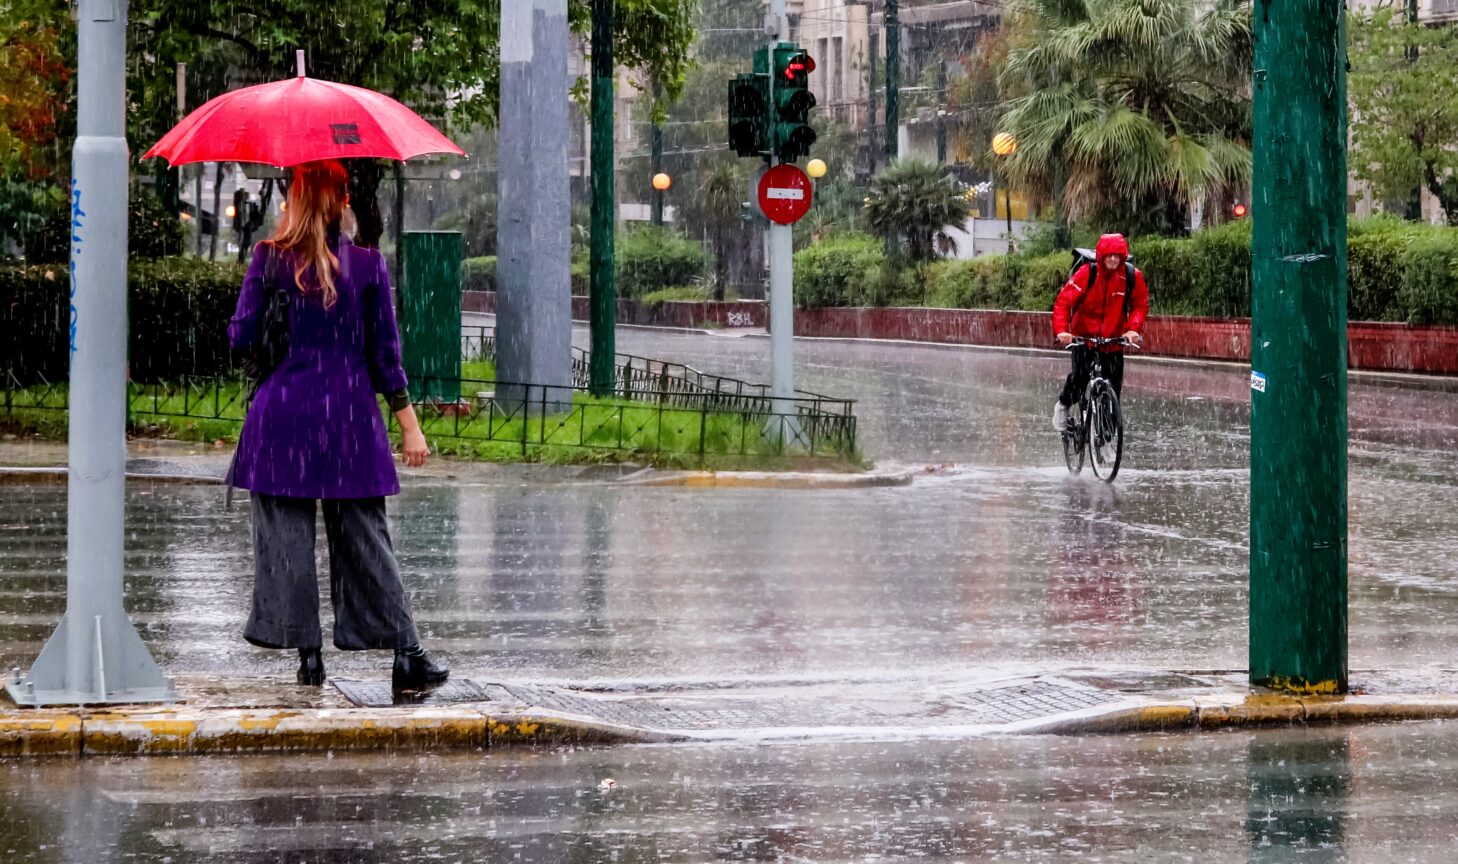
(1088, 256)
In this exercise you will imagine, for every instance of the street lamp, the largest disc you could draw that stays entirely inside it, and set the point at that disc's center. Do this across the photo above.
(1005, 144)
(662, 182)
(816, 168)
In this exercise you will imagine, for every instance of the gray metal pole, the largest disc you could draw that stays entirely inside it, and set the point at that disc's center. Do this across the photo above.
(95, 655)
(782, 285)
(534, 315)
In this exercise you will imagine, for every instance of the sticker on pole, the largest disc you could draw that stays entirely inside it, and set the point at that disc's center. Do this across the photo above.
(1257, 381)
(785, 194)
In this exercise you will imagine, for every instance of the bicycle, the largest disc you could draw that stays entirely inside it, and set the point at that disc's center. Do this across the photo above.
(1096, 420)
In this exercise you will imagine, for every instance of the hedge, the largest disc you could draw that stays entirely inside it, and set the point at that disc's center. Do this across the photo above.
(841, 271)
(1397, 271)
(178, 309)
(479, 274)
(652, 259)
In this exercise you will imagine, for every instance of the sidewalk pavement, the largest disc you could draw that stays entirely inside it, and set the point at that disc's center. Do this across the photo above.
(163, 461)
(274, 715)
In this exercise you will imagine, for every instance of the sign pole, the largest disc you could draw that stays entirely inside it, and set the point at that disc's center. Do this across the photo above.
(782, 279)
(95, 656)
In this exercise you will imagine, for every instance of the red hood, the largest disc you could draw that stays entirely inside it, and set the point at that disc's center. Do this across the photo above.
(1112, 244)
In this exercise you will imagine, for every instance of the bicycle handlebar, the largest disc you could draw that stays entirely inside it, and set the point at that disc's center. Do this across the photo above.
(1099, 342)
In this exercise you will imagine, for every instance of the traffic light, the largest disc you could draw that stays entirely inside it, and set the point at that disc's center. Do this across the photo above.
(1239, 211)
(239, 211)
(748, 112)
(792, 136)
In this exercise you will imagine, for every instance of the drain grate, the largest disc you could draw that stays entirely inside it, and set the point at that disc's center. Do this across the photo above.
(879, 707)
(380, 694)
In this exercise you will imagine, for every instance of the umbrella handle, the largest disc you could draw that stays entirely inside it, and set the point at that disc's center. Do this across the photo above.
(299, 57)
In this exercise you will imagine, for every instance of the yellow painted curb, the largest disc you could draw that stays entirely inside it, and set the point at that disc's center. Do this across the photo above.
(40, 733)
(529, 728)
(1258, 710)
(240, 731)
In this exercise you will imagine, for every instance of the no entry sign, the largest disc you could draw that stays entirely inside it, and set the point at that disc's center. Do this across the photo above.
(784, 194)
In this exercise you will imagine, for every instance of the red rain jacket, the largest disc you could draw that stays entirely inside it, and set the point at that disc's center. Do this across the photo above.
(1101, 312)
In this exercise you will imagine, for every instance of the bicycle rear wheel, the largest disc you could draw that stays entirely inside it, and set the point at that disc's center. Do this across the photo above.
(1075, 438)
(1105, 432)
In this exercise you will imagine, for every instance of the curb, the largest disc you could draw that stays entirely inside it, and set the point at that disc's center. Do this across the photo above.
(770, 480)
(1260, 711)
(14, 476)
(238, 731)
(207, 731)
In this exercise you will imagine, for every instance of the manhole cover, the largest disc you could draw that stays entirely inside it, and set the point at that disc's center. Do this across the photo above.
(380, 694)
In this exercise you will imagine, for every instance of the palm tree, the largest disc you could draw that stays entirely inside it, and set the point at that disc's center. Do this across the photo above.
(1130, 109)
(719, 198)
(918, 201)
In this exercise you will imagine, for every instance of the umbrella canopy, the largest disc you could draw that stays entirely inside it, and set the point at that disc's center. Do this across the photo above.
(287, 123)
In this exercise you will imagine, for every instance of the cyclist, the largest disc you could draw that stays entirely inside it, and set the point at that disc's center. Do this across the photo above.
(1099, 308)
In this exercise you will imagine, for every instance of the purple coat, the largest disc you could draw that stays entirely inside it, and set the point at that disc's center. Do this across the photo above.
(315, 429)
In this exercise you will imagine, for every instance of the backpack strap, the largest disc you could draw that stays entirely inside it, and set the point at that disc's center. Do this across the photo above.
(1093, 275)
(1130, 274)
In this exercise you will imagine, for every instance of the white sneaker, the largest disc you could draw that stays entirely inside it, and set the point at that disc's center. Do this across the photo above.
(1060, 417)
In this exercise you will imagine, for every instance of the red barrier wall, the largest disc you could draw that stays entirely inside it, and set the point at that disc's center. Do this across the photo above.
(727, 315)
(1372, 346)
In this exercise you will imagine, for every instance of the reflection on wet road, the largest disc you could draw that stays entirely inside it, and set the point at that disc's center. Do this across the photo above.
(1318, 795)
(999, 561)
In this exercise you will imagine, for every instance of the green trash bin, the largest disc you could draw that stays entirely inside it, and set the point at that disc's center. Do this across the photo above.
(430, 305)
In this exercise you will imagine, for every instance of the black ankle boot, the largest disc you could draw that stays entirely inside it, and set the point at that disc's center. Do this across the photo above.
(415, 670)
(311, 667)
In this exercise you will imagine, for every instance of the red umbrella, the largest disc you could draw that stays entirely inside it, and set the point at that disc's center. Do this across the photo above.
(304, 120)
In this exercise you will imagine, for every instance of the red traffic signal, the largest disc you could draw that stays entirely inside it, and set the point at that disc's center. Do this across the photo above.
(1239, 211)
(800, 65)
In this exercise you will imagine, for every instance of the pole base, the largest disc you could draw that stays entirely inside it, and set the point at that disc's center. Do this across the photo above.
(104, 664)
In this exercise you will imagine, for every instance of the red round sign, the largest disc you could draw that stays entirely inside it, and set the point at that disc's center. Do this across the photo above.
(784, 194)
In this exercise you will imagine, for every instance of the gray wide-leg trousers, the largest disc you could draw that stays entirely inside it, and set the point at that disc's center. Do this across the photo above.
(370, 606)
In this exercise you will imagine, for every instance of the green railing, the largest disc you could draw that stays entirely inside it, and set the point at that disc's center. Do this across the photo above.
(678, 421)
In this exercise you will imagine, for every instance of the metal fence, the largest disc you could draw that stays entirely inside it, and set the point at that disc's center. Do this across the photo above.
(679, 421)
(645, 379)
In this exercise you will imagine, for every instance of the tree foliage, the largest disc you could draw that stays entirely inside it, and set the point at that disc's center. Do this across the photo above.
(917, 201)
(35, 112)
(1130, 109)
(1403, 90)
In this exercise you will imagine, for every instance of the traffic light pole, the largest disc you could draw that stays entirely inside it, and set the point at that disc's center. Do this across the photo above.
(95, 656)
(603, 289)
(782, 284)
(1298, 548)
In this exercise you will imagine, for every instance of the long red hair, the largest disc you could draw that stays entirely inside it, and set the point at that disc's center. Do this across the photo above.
(317, 198)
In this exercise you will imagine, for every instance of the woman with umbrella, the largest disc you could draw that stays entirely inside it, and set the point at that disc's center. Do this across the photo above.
(314, 431)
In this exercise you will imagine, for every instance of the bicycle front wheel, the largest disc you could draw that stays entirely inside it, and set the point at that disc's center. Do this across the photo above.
(1105, 432)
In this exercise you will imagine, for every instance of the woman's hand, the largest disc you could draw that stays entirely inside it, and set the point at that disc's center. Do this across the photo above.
(414, 449)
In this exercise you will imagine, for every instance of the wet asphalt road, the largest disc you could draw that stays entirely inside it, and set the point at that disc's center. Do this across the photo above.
(1371, 794)
(1001, 562)
(998, 564)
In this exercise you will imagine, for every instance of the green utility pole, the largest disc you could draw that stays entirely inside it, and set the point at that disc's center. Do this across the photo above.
(1298, 549)
(873, 73)
(602, 317)
(655, 155)
(893, 79)
(941, 111)
(893, 99)
(1414, 210)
